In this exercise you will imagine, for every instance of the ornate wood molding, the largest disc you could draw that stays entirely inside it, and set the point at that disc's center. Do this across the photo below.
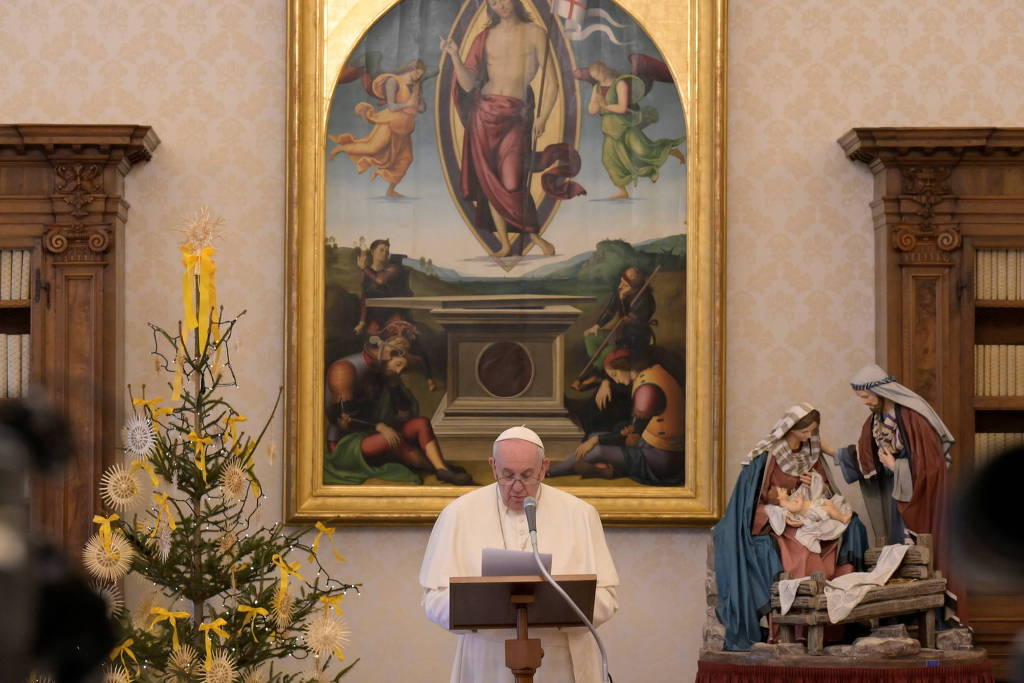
(925, 234)
(932, 186)
(921, 199)
(78, 242)
(887, 145)
(135, 143)
(79, 183)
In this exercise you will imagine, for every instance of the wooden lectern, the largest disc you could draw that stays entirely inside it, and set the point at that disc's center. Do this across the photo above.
(478, 602)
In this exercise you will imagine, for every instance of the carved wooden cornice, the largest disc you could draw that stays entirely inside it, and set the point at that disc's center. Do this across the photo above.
(890, 145)
(921, 204)
(133, 143)
(86, 166)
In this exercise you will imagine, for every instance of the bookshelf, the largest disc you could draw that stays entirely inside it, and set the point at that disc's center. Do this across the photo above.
(16, 266)
(63, 222)
(948, 215)
(993, 322)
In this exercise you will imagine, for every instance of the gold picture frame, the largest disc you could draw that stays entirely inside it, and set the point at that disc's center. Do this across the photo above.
(691, 36)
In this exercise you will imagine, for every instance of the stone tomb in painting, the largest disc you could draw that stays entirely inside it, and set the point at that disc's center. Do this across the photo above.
(505, 367)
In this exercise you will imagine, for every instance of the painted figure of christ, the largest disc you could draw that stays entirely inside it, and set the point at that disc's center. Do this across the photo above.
(496, 104)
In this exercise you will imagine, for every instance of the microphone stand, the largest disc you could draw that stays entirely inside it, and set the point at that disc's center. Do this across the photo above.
(530, 506)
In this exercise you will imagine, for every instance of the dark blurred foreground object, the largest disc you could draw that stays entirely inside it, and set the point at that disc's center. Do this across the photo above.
(52, 622)
(988, 535)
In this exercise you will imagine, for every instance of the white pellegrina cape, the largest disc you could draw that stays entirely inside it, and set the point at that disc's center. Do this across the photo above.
(570, 530)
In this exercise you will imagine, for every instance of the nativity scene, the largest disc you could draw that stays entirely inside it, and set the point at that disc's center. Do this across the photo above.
(792, 572)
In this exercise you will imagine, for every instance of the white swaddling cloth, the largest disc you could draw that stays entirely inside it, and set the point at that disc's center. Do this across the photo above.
(817, 525)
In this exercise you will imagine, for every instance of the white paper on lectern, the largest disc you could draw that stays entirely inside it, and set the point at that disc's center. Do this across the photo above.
(501, 562)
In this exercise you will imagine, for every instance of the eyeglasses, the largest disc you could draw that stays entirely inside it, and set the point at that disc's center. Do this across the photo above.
(525, 481)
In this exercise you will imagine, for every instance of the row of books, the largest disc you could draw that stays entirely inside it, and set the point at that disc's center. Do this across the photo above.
(999, 370)
(999, 274)
(990, 444)
(15, 273)
(16, 348)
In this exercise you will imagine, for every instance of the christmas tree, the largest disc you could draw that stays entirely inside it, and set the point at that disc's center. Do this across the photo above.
(231, 598)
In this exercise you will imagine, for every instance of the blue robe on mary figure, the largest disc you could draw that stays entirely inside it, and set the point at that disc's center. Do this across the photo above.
(746, 565)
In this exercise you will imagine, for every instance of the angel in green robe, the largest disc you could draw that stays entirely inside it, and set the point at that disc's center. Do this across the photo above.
(628, 154)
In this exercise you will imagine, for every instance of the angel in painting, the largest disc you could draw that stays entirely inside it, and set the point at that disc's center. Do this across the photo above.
(628, 154)
(388, 146)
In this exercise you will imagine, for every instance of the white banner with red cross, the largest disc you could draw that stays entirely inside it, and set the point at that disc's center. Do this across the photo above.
(575, 12)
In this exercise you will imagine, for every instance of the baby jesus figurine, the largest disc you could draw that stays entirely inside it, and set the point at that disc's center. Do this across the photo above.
(818, 518)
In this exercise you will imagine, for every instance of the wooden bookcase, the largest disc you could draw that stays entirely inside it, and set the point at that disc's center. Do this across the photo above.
(993, 322)
(62, 200)
(17, 315)
(942, 195)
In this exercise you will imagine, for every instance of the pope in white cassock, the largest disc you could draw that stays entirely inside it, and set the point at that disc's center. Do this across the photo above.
(492, 517)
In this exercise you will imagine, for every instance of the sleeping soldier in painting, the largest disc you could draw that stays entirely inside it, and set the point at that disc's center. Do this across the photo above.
(649, 449)
(384, 276)
(375, 429)
(631, 306)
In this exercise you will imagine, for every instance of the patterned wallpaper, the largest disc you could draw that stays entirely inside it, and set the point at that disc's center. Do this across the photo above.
(210, 78)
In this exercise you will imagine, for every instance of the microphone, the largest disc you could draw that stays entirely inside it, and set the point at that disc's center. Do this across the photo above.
(530, 506)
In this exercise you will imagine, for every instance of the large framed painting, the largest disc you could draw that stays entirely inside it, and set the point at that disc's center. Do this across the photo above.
(502, 213)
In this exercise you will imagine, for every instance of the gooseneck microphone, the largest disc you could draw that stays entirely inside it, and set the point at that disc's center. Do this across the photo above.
(530, 507)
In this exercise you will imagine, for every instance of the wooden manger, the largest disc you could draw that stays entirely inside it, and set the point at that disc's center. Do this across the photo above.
(915, 588)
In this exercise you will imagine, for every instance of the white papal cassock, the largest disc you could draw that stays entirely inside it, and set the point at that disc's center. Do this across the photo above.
(569, 529)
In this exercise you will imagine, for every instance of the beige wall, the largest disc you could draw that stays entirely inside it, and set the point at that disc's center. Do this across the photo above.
(209, 77)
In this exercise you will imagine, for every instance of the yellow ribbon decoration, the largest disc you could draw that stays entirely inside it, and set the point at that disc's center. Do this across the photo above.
(106, 533)
(200, 274)
(152, 404)
(163, 508)
(179, 369)
(332, 603)
(123, 649)
(200, 444)
(188, 292)
(287, 570)
(230, 423)
(172, 617)
(147, 467)
(321, 530)
(207, 297)
(255, 485)
(250, 612)
(214, 626)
